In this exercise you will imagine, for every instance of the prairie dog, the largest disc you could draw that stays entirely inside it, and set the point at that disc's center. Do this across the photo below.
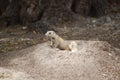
(58, 42)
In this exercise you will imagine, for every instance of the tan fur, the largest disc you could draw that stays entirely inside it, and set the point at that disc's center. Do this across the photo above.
(58, 42)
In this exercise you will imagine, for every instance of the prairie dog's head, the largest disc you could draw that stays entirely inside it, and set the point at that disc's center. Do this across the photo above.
(50, 34)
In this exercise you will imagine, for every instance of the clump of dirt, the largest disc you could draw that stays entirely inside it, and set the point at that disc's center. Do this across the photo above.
(95, 60)
(8, 74)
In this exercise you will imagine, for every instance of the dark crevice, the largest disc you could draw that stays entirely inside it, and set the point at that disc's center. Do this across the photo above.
(40, 15)
(92, 12)
(73, 6)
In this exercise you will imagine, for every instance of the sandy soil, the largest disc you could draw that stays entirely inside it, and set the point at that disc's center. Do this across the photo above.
(95, 60)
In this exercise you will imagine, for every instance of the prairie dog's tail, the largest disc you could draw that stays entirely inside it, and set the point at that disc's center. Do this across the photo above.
(73, 46)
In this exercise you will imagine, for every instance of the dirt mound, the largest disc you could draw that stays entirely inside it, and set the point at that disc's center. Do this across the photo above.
(95, 60)
(7, 74)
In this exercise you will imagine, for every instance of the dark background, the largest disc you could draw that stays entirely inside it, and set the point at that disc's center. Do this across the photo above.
(24, 22)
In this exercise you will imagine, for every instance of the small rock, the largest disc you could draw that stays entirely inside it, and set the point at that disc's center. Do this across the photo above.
(24, 27)
(105, 75)
(110, 54)
(94, 25)
(108, 20)
(94, 21)
(25, 39)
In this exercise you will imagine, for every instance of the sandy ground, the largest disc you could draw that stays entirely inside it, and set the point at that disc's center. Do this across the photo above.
(95, 60)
